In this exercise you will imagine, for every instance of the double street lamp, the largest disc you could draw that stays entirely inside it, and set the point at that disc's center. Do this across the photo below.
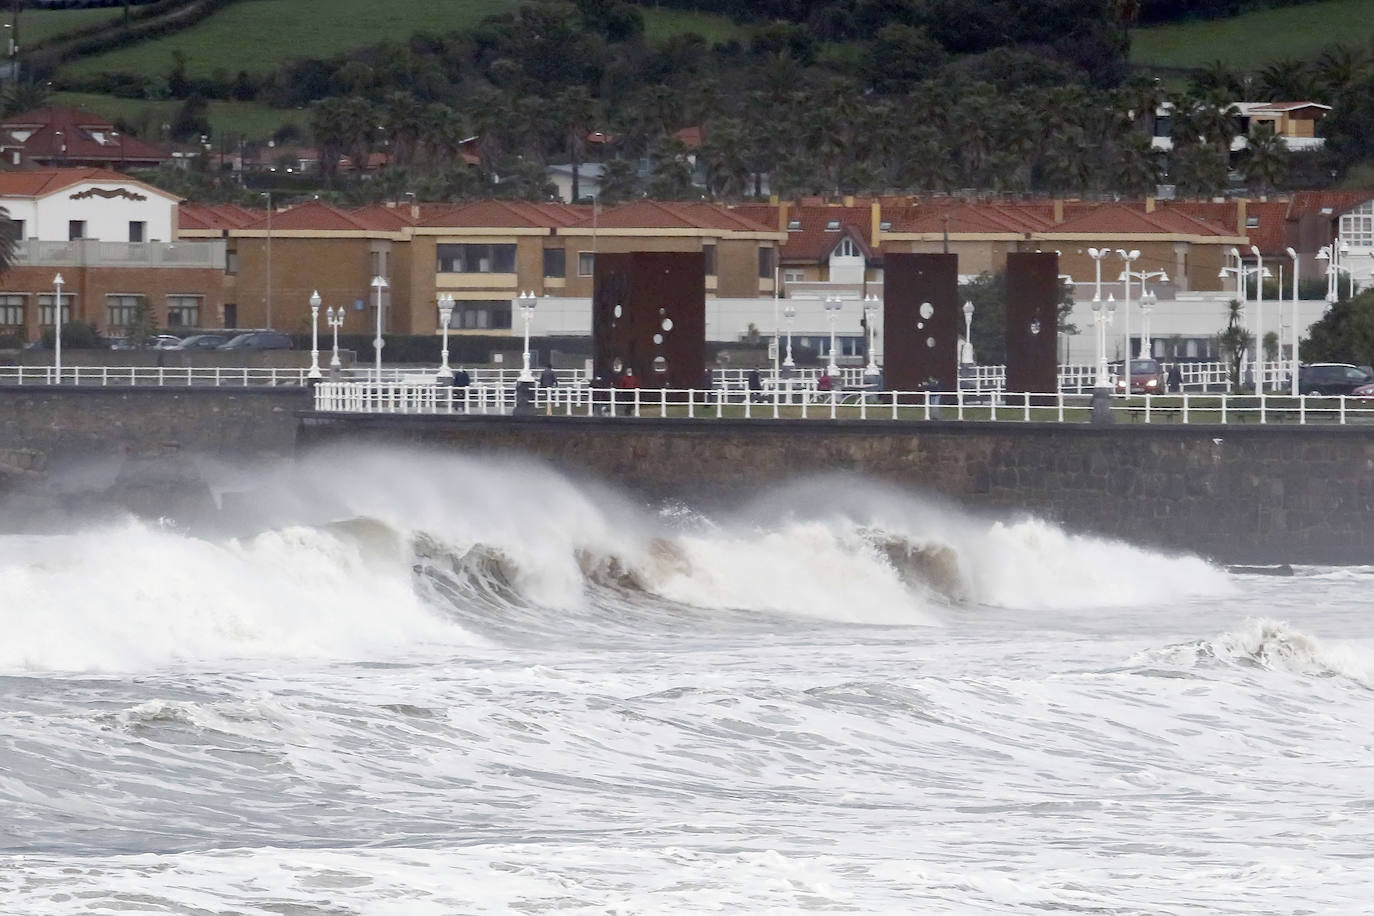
(833, 304)
(1128, 257)
(334, 317)
(1147, 304)
(1333, 255)
(967, 355)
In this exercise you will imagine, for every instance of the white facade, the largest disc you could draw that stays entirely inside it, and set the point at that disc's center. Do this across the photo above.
(109, 211)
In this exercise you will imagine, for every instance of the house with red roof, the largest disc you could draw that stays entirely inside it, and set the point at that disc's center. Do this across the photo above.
(61, 137)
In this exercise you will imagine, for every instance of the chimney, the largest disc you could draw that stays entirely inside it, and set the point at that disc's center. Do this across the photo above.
(414, 211)
(1240, 215)
(849, 200)
(1149, 205)
(1058, 210)
(875, 222)
(782, 216)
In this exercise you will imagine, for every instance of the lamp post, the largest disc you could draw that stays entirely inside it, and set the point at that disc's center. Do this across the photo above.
(1128, 257)
(57, 326)
(1334, 255)
(379, 283)
(1293, 331)
(968, 333)
(1259, 319)
(870, 307)
(789, 312)
(315, 335)
(335, 319)
(1143, 276)
(833, 304)
(445, 313)
(1102, 319)
(268, 195)
(527, 303)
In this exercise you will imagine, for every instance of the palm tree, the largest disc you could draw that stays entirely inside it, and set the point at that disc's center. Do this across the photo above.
(1266, 160)
(619, 182)
(1286, 79)
(1340, 67)
(1138, 166)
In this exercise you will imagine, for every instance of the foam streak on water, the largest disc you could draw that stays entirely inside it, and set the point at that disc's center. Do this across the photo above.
(436, 686)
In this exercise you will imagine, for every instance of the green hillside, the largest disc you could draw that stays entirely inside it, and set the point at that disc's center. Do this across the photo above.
(257, 35)
(37, 25)
(1250, 41)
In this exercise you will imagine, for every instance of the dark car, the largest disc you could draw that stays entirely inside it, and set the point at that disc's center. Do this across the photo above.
(260, 340)
(1147, 377)
(1331, 378)
(203, 342)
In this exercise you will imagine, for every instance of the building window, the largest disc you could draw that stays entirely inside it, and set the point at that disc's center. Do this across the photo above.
(476, 259)
(231, 314)
(231, 261)
(846, 249)
(794, 225)
(183, 311)
(1252, 222)
(1357, 226)
(138, 230)
(710, 252)
(794, 276)
(122, 309)
(18, 229)
(832, 226)
(766, 263)
(586, 263)
(11, 311)
(45, 316)
(481, 314)
(76, 229)
(884, 225)
(555, 262)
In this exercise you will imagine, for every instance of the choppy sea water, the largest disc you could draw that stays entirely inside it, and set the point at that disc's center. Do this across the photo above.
(397, 683)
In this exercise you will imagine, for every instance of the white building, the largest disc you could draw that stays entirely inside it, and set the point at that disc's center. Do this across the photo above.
(60, 205)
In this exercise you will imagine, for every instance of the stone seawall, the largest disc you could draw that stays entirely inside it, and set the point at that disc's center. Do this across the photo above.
(1237, 494)
(87, 422)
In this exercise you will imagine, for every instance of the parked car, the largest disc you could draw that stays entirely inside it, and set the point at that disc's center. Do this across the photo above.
(1147, 377)
(1364, 391)
(260, 340)
(163, 342)
(1332, 378)
(203, 342)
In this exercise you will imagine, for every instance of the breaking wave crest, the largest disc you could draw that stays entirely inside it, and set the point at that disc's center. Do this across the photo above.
(366, 554)
(1272, 645)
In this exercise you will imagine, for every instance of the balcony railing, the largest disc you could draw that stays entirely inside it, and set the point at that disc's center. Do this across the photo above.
(95, 253)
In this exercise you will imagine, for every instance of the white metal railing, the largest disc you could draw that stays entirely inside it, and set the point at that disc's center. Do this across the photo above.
(977, 380)
(144, 376)
(805, 402)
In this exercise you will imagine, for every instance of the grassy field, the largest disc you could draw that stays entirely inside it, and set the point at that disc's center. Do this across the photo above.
(1250, 41)
(36, 25)
(229, 119)
(257, 35)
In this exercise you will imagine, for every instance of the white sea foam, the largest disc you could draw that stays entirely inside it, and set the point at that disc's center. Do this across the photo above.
(131, 596)
(1277, 646)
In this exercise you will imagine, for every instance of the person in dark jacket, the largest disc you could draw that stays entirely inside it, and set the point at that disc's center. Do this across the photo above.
(1175, 378)
(547, 378)
(755, 382)
(461, 379)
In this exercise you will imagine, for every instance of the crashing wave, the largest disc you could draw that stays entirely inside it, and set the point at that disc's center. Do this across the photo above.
(1273, 646)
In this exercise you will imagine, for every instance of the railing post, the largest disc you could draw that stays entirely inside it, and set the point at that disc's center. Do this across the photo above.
(1226, 396)
(1302, 410)
(1148, 397)
(834, 400)
(1261, 407)
(1342, 410)
(958, 399)
(1185, 407)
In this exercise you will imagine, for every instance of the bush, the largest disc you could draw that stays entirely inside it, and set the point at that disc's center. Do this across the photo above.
(76, 335)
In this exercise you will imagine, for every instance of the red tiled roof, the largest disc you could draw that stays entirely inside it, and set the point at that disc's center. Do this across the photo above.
(312, 215)
(814, 240)
(1269, 233)
(380, 216)
(691, 137)
(977, 217)
(1307, 203)
(502, 214)
(39, 182)
(213, 216)
(1121, 219)
(653, 214)
(71, 133)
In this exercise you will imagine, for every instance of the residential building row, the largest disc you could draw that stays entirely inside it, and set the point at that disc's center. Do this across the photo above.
(118, 243)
